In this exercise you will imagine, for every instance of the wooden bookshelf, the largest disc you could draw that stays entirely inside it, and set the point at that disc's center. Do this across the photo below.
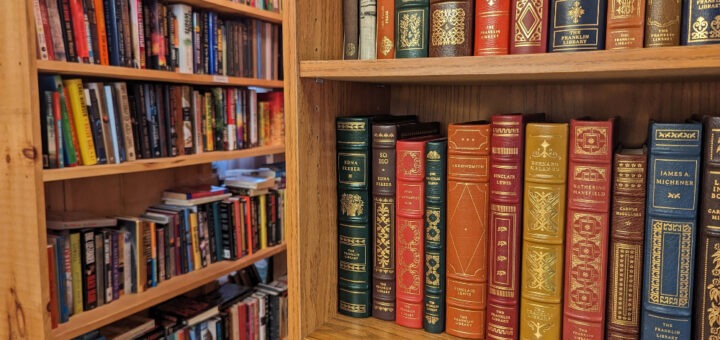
(640, 63)
(50, 175)
(343, 327)
(133, 303)
(232, 8)
(127, 73)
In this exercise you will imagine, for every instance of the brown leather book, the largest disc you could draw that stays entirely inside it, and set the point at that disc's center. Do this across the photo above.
(467, 233)
(625, 24)
(662, 23)
(385, 29)
(351, 28)
(451, 28)
(626, 244)
(546, 160)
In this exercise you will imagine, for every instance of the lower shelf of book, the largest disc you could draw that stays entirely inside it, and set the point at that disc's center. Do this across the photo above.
(344, 327)
(130, 304)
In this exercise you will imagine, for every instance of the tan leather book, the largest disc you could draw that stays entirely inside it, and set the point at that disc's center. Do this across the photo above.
(625, 24)
(546, 161)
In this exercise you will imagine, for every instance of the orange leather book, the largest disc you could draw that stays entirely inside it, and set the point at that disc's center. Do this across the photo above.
(467, 232)
(385, 29)
(546, 160)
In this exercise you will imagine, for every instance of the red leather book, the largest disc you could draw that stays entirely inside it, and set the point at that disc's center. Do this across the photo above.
(492, 27)
(385, 29)
(587, 232)
(529, 22)
(467, 208)
(409, 231)
(505, 224)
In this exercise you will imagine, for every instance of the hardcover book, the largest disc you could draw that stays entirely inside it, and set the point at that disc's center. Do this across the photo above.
(588, 225)
(368, 22)
(700, 23)
(577, 25)
(451, 28)
(384, 138)
(529, 25)
(492, 27)
(351, 29)
(707, 282)
(546, 146)
(411, 28)
(467, 204)
(435, 217)
(386, 29)
(625, 24)
(626, 241)
(672, 202)
(662, 23)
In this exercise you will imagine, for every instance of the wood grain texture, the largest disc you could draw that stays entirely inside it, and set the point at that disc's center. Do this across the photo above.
(343, 327)
(133, 303)
(235, 9)
(638, 63)
(127, 73)
(153, 164)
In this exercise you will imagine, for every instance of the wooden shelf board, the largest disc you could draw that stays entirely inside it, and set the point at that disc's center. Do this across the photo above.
(50, 175)
(232, 8)
(637, 64)
(133, 303)
(128, 73)
(344, 327)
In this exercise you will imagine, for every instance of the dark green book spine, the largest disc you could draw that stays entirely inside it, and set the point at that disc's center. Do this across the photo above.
(411, 28)
(435, 185)
(353, 187)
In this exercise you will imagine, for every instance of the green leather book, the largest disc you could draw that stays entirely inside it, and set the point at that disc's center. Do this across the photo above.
(412, 23)
(435, 183)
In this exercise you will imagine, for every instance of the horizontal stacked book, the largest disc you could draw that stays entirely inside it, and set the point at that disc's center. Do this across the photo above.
(603, 250)
(150, 34)
(88, 123)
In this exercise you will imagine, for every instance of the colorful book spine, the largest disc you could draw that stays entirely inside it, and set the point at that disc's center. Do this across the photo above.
(435, 235)
(700, 23)
(626, 241)
(625, 24)
(467, 204)
(368, 20)
(577, 25)
(75, 260)
(81, 119)
(529, 22)
(673, 175)
(492, 27)
(411, 28)
(451, 28)
(707, 284)
(588, 226)
(385, 29)
(546, 150)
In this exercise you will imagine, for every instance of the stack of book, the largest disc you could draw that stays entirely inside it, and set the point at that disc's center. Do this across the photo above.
(87, 123)
(154, 35)
(516, 227)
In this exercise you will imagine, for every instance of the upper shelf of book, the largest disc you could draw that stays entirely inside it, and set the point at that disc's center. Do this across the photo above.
(50, 175)
(630, 64)
(127, 73)
(232, 8)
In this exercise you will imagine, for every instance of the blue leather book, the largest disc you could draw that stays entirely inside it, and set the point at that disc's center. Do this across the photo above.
(577, 25)
(700, 23)
(670, 228)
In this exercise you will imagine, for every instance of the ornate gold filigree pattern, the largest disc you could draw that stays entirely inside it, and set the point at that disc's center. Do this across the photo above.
(713, 290)
(383, 261)
(543, 209)
(409, 274)
(541, 266)
(528, 26)
(432, 219)
(387, 45)
(351, 204)
(576, 12)
(681, 298)
(432, 265)
(585, 261)
(410, 29)
(591, 140)
(448, 27)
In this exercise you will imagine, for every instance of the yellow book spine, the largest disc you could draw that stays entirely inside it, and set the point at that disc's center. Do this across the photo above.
(81, 120)
(76, 273)
(195, 240)
(263, 222)
(209, 125)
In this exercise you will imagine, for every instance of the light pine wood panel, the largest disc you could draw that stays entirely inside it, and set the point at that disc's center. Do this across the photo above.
(343, 327)
(24, 288)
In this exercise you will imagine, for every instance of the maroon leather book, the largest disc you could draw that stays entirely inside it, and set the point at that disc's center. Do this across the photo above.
(529, 22)
(451, 28)
(505, 224)
(410, 228)
(588, 225)
(492, 27)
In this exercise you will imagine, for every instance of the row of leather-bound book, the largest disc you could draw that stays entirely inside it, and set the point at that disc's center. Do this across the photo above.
(386, 29)
(516, 227)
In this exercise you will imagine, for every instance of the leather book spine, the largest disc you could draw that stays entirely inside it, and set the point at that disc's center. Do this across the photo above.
(353, 139)
(409, 236)
(384, 138)
(700, 22)
(505, 218)
(435, 231)
(451, 28)
(385, 29)
(351, 30)
(529, 22)
(626, 241)
(588, 227)
(368, 22)
(707, 284)
(492, 27)
(673, 175)
(468, 200)
(662, 23)
(411, 28)
(625, 24)
(577, 25)
(546, 151)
